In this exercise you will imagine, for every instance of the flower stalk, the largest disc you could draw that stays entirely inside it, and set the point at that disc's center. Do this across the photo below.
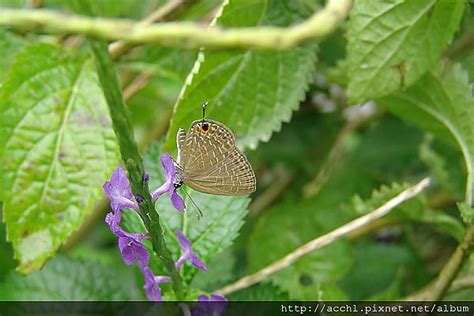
(133, 161)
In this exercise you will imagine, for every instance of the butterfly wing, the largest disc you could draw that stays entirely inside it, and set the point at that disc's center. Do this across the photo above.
(232, 176)
(211, 162)
(180, 141)
(201, 150)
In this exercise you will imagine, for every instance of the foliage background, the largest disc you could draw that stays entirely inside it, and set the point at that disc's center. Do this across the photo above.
(333, 130)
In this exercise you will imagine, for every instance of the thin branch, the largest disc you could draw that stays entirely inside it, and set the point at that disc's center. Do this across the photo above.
(181, 34)
(326, 239)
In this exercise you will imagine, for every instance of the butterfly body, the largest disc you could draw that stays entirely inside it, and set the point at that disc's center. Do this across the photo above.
(209, 161)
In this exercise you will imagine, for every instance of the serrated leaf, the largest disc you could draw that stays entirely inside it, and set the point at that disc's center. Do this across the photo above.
(219, 226)
(252, 92)
(441, 102)
(59, 148)
(391, 44)
(66, 279)
(412, 209)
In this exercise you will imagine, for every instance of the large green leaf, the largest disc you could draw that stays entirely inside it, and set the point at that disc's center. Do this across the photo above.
(59, 148)
(252, 92)
(442, 103)
(64, 278)
(219, 226)
(393, 43)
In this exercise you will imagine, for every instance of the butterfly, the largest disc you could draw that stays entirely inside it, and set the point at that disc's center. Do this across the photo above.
(209, 162)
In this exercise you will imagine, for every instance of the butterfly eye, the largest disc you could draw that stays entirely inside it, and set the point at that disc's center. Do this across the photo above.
(205, 127)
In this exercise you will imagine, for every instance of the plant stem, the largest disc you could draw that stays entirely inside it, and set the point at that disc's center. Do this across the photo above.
(181, 34)
(133, 161)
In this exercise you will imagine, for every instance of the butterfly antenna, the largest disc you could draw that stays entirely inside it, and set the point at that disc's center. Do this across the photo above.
(199, 212)
(204, 110)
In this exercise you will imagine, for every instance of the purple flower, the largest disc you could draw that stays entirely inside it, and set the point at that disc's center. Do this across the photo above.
(215, 304)
(169, 172)
(118, 191)
(152, 289)
(187, 254)
(212, 298)
(130, 245)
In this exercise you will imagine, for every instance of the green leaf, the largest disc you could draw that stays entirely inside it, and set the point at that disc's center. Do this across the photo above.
(65, 279)
(391, 44)
(444, 223)
(312, 277)
(445, 164)
(467, 212)
(11, 44)
(412, 209)
(387, 149)
(252, 92)
(374, 269)
(441, 102)
(215, 231)
(59, 148)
